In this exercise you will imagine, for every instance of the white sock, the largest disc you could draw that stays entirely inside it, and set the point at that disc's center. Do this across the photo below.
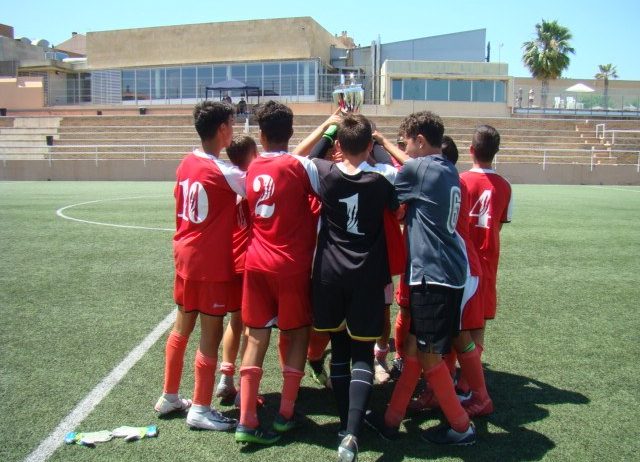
(171, 397)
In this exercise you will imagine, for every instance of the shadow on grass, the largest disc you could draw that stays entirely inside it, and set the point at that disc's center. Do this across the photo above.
(502, 436)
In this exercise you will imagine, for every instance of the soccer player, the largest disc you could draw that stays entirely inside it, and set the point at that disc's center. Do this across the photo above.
(351, 270)
(277, 279)
(490, 205)
(436, 272)
(241, 152)
(205, 280)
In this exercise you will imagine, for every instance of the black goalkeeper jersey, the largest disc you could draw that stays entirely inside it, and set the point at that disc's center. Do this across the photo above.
(351, 245)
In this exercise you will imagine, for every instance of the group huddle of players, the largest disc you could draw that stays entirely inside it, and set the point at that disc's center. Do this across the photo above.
(310, 239)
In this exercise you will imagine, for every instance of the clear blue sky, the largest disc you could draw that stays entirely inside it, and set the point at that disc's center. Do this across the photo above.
(603, 31)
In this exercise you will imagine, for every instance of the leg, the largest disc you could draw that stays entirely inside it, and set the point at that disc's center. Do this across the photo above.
(340, 369)
(471, 367)
(230, 346)
(292, 372)
(360, 386)
(381, 348)
(251, 374)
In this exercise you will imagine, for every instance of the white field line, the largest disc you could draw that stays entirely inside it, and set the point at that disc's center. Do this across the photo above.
(60, 213)
(615, 189)
(56, 438)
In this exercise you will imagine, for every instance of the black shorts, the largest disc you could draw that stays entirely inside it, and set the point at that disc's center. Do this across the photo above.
(360, 309)
(435, 316)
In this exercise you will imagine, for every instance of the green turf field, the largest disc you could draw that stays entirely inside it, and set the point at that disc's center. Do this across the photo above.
(76, 298)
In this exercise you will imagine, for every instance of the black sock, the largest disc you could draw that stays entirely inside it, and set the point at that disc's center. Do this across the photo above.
(340, 368)
(361, 384)
(317, 365)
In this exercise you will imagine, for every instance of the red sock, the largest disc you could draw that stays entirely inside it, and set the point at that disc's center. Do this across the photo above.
(227, 368)
(205, 375)
(250, 377)
(450, 360)
(318, 342)
(283, 347)
(402, 392)
(290, 387)
(403, 320)
(472, 371)
(174, 361)
(442, 385)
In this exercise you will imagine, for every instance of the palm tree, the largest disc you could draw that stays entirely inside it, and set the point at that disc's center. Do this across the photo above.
(607, 71)
(547, 55)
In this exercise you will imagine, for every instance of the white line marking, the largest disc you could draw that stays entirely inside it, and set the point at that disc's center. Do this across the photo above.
(56, 438)
(60, 213)
(615, 189)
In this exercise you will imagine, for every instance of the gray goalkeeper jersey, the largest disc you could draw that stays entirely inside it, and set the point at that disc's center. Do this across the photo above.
(431, 189)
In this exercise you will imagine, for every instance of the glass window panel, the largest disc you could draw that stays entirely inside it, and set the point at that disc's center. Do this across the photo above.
(219, 74)
(188, 82)
(483, 91)
(289, 77)
(238, 72)
(438, 90)
(501, 91)
(271, 79)
(254, 76)
(173, 82)
(414, 89)
(396, 89)
(157, 83)
(128, 85)
(143, 87)
(205, 79)
(460, 90)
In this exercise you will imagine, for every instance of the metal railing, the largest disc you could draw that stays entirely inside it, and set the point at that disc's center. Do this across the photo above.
(601, 132)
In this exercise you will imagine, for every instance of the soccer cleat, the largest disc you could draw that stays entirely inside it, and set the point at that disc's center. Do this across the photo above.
(225, 392)
(381, 371)
(255, 435)
(375, 421)
(282, 425)
(396, 368)
(318, 374)
(210, 420)
(348, 449)
(477, 407)
(426, 401)
(164, 406)
(444, 434)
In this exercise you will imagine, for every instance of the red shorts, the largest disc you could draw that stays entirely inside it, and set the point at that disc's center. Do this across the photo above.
(489, 296)
(402, 293)
(212, 298)
(274, 300)
(472, 311)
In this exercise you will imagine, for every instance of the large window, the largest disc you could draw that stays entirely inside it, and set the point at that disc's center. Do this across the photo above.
(143, 85)
(271, 79)
(128, 85)
(173, 83)
(189, 82)
(482, 91)
(289, 73)
(205, 79)
(254, 76)
(158, 84)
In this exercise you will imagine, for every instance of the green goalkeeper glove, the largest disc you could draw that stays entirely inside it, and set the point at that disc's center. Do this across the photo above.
(135, 433)
(330, 133)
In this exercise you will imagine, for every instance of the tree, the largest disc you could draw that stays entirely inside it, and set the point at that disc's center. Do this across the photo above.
(607, 71)
(548, 54)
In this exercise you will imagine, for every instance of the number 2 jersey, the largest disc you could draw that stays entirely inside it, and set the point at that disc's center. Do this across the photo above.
(206, 195)
(351, 244)
(283, 228)
(490, 205)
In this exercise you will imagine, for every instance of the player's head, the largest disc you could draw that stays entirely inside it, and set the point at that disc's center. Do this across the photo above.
(355, 135)
(449, 149)
(212, 117)
(276, 124)
(242, 151)
(422, 128)
(485, 143)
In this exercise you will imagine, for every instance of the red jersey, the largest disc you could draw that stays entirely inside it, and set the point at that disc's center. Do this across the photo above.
(241, 235)
(462, 227)
(396, 250)
(490, 205)
(283, 229)
(206, 190)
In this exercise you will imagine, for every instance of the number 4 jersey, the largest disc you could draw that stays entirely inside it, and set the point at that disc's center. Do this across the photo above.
(206, 195)
(490, 205)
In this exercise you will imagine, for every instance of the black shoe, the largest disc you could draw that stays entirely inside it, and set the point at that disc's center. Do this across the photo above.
(444, 434)
(348, 449)
(396, 368)
(376, 422)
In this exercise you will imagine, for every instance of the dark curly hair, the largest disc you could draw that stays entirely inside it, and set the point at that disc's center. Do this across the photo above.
(275, 121)
(354, 133)
(240, 148)
(449, 149)
(209, 115)
(424, 123)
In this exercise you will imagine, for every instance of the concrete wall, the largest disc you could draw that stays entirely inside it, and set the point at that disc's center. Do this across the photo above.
(268, 39)
(21, 93)
(442, 108)
(164, 170)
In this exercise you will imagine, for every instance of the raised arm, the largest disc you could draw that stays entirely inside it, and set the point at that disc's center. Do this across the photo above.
(305, 146)
(397, 153)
